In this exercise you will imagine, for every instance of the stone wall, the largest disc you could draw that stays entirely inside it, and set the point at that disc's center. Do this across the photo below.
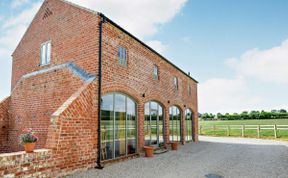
(21, 164)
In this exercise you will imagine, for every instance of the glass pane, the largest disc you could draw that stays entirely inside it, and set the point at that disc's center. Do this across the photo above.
(153, 126)
(175, 119)
(171, 124)
(124, 56)
(147, 124)
(43, 54)
(107, 116)
(120, 125)
(161, 128)
(48, 53)
(188, 119)
(178, 117)
(175, 127)
(131, 127)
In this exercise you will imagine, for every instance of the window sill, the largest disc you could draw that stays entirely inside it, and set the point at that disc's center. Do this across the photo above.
(44, 65)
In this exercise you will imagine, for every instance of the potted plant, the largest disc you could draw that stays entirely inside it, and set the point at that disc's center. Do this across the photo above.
(149, 151)
(28, 140)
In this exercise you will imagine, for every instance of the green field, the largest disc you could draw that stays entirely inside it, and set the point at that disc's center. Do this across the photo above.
(221, 131)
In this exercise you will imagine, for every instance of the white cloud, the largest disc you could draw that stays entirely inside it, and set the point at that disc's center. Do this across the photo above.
(140, 17)
(269, 65)
(18, 3)
(157, 45)
(186, 39)
(226, 95)
(24, 18)
(266, 67)
(12, 31)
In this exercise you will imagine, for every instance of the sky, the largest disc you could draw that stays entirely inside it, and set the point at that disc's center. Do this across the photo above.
(237, 50)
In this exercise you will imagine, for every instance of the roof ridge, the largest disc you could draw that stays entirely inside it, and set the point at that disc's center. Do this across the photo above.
(80, 7)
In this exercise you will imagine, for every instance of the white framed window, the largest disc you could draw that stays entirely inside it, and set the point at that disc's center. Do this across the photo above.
(175, 83)
(45, 53)
(155, 72)
(122, 57)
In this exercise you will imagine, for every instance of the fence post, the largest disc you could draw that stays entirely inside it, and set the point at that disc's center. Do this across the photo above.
(214, 130)
(275, 131)
(258, 131)
(228, 130)
(200, 130)
(243, 131)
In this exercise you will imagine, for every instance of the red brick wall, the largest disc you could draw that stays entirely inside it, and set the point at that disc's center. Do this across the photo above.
(4, 117)
(136, 79)
(72, 139)
(72, 31)
(34, 100)
(73, 131)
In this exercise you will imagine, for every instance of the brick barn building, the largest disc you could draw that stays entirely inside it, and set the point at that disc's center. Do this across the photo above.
(75, 71)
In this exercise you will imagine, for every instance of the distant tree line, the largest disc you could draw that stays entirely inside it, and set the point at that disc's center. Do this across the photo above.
(245, 115)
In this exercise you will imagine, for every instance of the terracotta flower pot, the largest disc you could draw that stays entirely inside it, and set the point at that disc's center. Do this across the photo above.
(29, 147)
(174, 145)
(149, 151)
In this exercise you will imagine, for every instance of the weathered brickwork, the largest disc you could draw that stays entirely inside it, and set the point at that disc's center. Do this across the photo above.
(73, 33)
(72, 139)
(73, 131)
(21, 164)
(60, 100)
(4, 118)
(34, 100)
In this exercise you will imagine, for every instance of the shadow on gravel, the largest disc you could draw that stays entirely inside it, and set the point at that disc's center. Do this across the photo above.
(213, 176)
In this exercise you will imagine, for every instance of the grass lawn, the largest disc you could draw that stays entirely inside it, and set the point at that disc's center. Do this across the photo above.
(222, 131)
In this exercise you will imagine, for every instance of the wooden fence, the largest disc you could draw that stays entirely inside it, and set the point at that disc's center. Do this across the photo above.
(242, 128)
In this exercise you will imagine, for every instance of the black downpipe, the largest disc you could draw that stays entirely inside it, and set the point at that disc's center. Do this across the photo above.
(99, 156)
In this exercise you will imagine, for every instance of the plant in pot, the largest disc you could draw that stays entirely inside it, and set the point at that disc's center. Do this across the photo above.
(28, 140)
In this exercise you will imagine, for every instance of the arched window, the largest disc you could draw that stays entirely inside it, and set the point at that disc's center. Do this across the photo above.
(153, 124)
(118, 126)
(188, 123)
(175, 123)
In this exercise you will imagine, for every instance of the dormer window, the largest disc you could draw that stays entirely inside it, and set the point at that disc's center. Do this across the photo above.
(45, 53)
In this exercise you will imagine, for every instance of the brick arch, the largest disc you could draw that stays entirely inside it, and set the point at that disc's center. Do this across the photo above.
(157, 101)
(122, 89)
(182, 109)
(188, 108)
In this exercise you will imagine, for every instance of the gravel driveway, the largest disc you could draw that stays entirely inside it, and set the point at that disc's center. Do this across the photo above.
(212, 157)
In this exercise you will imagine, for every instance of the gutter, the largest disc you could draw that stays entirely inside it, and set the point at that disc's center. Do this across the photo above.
(99, 155)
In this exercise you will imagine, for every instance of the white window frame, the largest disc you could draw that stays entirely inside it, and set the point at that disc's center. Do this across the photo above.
(122, 56)
(189, 90)
(175, 82)
(155, 72)
(47, 57)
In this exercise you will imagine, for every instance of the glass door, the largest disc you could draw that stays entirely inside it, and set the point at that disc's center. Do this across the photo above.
(153, 124)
